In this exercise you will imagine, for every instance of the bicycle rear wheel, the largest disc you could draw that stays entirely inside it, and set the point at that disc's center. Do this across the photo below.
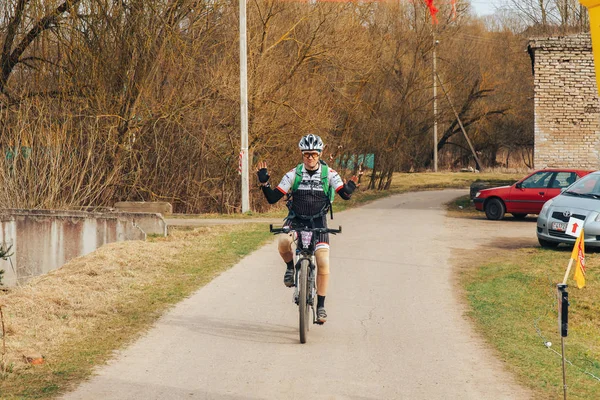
(303, 307)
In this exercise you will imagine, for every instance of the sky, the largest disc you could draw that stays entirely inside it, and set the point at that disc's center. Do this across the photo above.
(483, 7)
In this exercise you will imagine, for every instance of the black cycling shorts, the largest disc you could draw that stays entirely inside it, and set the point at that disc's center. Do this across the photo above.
(319, 222)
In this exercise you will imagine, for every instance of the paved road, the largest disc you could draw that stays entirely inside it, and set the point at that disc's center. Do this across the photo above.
(396, 328)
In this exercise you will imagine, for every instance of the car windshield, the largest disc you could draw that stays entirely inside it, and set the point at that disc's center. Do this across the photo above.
(588, 186)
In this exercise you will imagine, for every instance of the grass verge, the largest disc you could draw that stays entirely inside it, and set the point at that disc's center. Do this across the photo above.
(512, 299)
(463, 207)
(77, 315)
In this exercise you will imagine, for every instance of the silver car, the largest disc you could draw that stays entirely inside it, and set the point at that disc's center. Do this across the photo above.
(581, 200)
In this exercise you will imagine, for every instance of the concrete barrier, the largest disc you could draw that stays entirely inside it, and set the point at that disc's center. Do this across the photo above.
(154, 207)
(150, 223)
(44, 240)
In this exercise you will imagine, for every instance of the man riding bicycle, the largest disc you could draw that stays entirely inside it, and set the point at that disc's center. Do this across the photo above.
(310, 187)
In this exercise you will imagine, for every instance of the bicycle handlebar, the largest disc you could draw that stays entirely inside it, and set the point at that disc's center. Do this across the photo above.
(288, 229)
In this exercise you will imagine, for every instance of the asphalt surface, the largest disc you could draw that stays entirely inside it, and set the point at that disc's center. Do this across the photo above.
(396, 327)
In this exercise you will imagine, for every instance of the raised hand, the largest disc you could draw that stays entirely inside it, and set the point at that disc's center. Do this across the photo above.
(354, 179)
(262, 172)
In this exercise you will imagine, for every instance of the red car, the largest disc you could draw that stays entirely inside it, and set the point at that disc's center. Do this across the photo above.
(528, 195)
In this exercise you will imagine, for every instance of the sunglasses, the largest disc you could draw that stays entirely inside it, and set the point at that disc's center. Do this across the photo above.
(310, 155)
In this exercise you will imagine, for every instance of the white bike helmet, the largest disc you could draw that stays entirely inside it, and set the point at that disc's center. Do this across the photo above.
(311, 143)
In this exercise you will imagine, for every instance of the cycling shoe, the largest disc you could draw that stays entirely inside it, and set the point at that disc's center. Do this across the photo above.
(288, 278)
(321, 315)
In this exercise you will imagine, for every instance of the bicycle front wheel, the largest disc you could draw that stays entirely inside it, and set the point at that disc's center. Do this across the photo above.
(303, 306)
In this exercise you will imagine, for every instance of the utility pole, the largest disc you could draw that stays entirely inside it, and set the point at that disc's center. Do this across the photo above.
(435, 133)
(478, 164)
(244, 108)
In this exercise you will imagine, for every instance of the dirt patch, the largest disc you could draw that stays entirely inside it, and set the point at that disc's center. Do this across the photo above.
(493, 239)
(513, 243)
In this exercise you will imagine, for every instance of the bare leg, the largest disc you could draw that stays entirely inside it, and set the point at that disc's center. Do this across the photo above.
(322, 256)
(285, 248)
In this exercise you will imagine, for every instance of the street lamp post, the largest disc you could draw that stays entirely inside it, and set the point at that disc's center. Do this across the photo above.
(244, 108)
(435, 124)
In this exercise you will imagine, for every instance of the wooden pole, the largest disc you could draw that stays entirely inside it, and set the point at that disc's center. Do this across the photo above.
(568, 271)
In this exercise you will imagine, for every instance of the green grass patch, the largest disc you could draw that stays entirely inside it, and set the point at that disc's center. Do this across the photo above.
(463, 207)
(512, 299)
(195, 258)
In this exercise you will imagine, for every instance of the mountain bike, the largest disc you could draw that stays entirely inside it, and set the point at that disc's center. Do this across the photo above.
(305, 290)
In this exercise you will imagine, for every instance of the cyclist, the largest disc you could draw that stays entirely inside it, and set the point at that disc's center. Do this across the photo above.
(310, 187)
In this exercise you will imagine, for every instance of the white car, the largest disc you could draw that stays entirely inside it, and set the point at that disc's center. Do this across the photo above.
(580, 201)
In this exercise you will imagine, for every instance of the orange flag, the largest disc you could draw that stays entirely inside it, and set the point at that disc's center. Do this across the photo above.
(578, 256)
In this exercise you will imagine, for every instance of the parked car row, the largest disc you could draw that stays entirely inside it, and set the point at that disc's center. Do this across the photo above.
(557, 196)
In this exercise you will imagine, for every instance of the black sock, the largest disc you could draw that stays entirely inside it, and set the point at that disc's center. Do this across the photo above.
(320, 301)
(290, 265)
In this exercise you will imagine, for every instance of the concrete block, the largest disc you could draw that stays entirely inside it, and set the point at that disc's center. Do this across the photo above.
(161, 207)
(150, 223)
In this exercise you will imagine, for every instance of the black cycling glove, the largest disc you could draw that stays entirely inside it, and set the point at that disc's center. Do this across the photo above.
(263, 175)
(350, 187)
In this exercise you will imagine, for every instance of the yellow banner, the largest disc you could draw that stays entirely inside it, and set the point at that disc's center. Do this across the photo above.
(594, 9)
(578, 255)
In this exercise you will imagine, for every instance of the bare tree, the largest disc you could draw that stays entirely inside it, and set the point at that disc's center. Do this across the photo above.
(139, 100)
(23, 29)
(547, 16)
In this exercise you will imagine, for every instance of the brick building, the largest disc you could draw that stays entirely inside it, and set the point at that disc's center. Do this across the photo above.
(567, 109)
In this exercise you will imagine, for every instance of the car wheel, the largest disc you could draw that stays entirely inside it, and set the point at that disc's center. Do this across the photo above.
(494, 209)
(519, 216)
(547, 244)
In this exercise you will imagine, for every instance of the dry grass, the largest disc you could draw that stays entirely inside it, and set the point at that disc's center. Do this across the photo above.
(75, 316)
(438, 180)
(51, 309)
(412, 182)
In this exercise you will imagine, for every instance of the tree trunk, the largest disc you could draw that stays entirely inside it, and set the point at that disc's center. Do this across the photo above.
(544, 14)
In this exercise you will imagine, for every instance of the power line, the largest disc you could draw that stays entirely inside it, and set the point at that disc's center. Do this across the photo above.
(480, 38)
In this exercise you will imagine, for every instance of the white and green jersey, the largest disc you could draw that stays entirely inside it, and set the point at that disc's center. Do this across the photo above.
(309, 198)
